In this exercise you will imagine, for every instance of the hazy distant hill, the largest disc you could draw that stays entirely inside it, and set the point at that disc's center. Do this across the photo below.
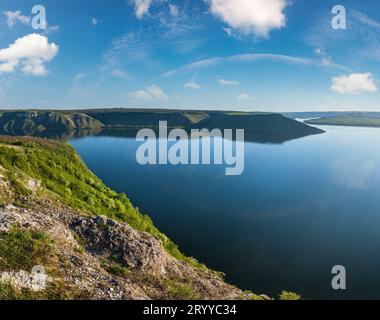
(352, 120)
(348, 118)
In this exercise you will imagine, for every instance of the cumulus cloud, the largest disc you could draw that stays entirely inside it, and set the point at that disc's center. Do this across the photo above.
(224, 82)
(245, 97)
(94, 21)
(151, 93)
(142, 7)
(256, 17)
(354, 84)
(30, 53)
(192, 85)
(16, 16)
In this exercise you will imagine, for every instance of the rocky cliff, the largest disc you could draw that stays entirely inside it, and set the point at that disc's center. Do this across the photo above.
(29, 122)
(91, 242)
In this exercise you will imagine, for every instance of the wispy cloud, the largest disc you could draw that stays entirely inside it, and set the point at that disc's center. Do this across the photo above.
(142, 7)
(363, 18)
(94, 21)
(250, 57)
(360, 28)
(245, 97)
(173, 10)
(16, 16)
(118, 73)
(192, 85)
(126, 49)
(224, 82)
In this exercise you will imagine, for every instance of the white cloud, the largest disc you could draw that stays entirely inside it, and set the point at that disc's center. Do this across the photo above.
(52, 28)
(256, 17)
(142, 7)
(151, 93)
(224, 82)
(245, 97)
(173, 10)
(30, 52)
(354, 83)
(16, 16)
(192, 85)
(363, 18)
(94, 21)
(228, 31)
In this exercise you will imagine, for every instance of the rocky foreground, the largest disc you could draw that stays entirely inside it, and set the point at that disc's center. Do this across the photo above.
(85, 248)
(85, 255)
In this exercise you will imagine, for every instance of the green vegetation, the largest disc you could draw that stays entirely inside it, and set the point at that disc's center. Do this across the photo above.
(61, 171)
(196, 117)
(118, 270)
(64, 177)
(287, 295)
(348, 120)
(21, 250)
(53, 291)
(179, 291)
(15, 183)
(30, 121)
(49, 123)
(256, 297)
(166, 288)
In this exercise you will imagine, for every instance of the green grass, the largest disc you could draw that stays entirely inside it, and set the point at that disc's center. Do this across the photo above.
(287, 295)
(22, 250)
(179, 291)
(118, 270)
(61, 171)
(53, 291)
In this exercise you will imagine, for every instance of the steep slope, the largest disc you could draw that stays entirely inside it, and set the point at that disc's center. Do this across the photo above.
(91, 241)
(38, 121)
(269, 127)
(258, 122)
(250, 121)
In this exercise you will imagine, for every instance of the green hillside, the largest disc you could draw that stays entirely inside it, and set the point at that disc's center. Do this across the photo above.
(353, 120)
(269, 127)
(64, 174)
(39, 121)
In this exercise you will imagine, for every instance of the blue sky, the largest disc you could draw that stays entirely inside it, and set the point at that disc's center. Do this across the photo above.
(251, 55)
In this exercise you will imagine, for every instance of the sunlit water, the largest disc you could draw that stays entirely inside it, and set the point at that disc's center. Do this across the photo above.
(299, 209)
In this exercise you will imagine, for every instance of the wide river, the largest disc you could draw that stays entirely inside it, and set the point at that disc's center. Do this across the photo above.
(298, 209)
